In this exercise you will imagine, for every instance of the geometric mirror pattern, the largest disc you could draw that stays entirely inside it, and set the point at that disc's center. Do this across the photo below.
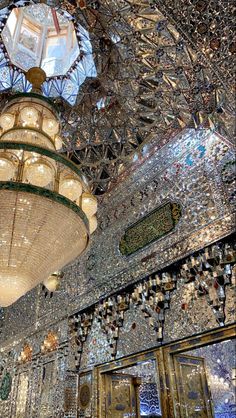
(144, 73)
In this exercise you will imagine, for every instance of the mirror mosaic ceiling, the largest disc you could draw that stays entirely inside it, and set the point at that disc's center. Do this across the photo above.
(158, 68)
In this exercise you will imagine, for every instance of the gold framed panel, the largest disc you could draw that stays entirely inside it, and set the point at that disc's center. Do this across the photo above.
(164, 357)
(86, 403)
(116, 365)
(192, 386)
(171, 399)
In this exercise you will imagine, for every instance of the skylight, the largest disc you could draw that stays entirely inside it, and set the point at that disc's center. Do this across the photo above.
(39, 36)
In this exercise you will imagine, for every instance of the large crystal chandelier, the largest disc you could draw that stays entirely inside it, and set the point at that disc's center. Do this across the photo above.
(47, 212)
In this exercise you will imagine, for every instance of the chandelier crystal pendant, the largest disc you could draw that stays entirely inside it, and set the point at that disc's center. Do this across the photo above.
(47, 211)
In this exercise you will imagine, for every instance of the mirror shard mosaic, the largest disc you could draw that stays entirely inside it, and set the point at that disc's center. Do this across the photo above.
(123, 96)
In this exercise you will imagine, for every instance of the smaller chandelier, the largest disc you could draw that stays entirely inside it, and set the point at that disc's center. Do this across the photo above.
(47, 211)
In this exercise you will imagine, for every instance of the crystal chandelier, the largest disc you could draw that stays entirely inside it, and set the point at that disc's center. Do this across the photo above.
(47, 211)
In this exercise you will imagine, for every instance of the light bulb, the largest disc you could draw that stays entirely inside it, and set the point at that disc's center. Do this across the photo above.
(93, 223)
(89, 204)
(38, 173)
(29, 115)
(7, 121)
(70, 188)
(7, 169)
(50, 126)
(58, 142)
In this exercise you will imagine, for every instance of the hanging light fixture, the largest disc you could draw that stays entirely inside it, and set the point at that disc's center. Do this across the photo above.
(47, 211)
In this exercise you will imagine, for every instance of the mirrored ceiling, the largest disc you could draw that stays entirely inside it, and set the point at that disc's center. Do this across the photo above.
(141, 77)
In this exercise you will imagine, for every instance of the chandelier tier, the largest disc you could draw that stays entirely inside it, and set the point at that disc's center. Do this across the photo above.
(47, 212)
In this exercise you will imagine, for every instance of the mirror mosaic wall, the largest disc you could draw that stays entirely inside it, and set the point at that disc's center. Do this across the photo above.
(147, 114)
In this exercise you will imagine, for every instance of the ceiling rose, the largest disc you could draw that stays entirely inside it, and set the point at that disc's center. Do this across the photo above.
(38, 35)
(47, 212)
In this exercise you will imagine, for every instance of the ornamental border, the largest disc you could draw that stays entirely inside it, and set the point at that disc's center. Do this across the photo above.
(175, 219)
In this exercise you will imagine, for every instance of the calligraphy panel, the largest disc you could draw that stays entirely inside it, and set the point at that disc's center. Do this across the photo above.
(150, 228)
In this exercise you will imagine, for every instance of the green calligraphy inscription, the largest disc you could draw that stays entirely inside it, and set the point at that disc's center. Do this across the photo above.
(150, 228)
(5, 387)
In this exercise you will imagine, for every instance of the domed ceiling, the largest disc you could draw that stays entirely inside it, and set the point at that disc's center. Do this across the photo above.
(145, 71)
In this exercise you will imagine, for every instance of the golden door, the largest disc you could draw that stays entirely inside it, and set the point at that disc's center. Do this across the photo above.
(120, 396)
(193, 394)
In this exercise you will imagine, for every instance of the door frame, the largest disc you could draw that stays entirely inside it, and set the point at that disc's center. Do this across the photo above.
(203, 379)
(164, 356)
(107, 380)
(180, 347)
(116, 365)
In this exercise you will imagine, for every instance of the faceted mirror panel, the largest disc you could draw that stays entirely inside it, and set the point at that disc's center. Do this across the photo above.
(22, 393)
(38, 36)
(47, 389)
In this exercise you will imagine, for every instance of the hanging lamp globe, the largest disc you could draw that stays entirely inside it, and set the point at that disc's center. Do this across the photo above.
(45, 211)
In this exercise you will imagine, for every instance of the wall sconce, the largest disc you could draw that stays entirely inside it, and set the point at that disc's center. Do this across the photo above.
(26, 354)
(50, 343)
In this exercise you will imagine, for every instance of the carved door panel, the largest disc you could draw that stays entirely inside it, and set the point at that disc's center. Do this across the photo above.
(121, 396)
(194, 398)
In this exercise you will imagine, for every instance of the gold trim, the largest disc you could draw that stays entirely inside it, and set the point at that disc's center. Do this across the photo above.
(36, 76)
(28, 128)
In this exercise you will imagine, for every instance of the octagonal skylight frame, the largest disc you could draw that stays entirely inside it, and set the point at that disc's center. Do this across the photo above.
(39, 36)
(66, 86)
